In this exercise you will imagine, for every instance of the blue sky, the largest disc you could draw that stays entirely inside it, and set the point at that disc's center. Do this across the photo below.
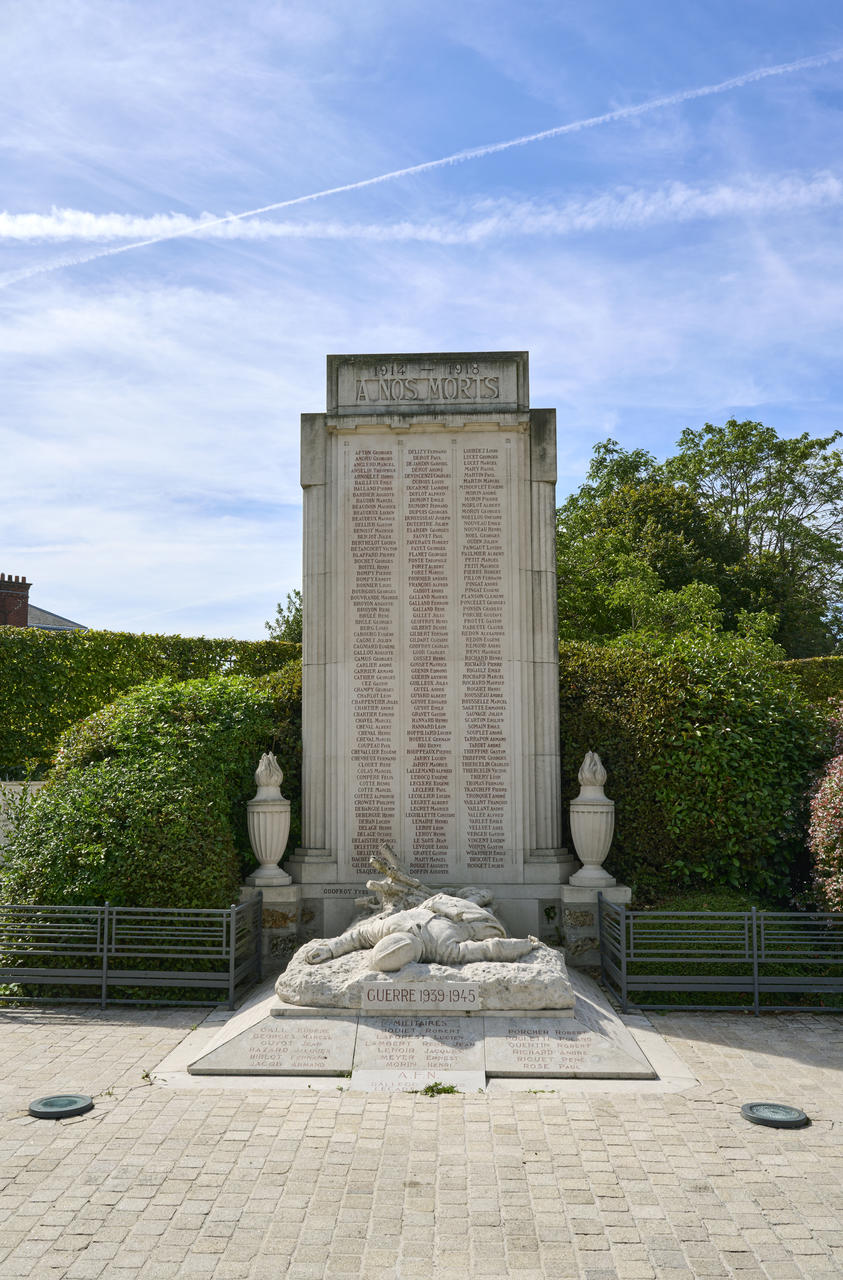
(664, 267)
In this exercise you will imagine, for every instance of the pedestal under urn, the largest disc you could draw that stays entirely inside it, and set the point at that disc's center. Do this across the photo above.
(592, 824)
(268, 818)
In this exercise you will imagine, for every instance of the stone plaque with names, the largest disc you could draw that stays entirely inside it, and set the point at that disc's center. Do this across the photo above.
(430, 715)
(281, 1046)
(401, 1054)
(537, 1047)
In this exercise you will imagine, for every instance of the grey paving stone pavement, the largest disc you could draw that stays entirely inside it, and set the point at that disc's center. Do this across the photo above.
(259, 1183)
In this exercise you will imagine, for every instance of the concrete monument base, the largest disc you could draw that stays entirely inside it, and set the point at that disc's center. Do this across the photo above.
(281, 919)
(579, 919)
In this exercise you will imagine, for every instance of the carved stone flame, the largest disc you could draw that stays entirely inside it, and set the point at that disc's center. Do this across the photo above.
(268, 772)
(592, 773)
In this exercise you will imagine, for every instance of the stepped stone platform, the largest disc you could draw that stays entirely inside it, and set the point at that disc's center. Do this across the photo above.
(409, 1050)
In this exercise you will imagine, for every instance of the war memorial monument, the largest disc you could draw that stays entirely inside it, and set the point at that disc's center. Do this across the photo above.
(430, 747)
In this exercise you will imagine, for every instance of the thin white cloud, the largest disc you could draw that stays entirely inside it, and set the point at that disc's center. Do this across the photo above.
(615, 211)
(472, 153)
(157, 464)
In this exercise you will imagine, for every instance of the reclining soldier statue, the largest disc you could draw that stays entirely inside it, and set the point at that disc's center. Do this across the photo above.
(437, 928)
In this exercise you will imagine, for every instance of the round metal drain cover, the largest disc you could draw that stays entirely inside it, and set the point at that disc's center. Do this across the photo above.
(60, 1106)
(774, 1114)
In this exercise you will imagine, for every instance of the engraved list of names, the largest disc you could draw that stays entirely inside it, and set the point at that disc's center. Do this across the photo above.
(373, 546)
(429, 531)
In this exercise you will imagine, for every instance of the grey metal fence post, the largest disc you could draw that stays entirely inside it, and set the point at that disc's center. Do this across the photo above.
(232, 952)
(755, 997)
(104, 981)
(624, 1006)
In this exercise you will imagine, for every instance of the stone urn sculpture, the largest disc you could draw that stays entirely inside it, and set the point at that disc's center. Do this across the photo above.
(268, 816)
(592, 825)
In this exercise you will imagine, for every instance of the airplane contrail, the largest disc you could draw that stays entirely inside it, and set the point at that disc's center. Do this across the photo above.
(458, 157)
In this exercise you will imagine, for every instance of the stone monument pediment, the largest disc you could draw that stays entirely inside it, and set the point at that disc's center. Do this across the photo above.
(489, 382)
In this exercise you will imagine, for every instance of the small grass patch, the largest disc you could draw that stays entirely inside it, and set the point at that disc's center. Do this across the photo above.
(435, 1088)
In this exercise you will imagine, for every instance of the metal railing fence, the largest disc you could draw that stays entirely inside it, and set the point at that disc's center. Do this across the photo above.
(748, 954)
(131, 949)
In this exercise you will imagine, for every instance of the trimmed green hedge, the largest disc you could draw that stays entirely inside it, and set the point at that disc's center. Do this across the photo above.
(820, 679)
(147, 803)
(710, 746)
(710, 753)
(50, 680)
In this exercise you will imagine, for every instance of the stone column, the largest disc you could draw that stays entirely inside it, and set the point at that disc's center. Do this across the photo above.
(547, 860)
(314, 860)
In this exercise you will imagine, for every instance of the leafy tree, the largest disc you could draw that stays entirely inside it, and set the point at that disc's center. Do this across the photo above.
(287, 623)
(613, 466)
(782, 499)
(654, 612)
(755, 519)
(627, 537)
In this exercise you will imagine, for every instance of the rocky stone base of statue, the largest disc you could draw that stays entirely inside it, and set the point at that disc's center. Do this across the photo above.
(537, 981)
